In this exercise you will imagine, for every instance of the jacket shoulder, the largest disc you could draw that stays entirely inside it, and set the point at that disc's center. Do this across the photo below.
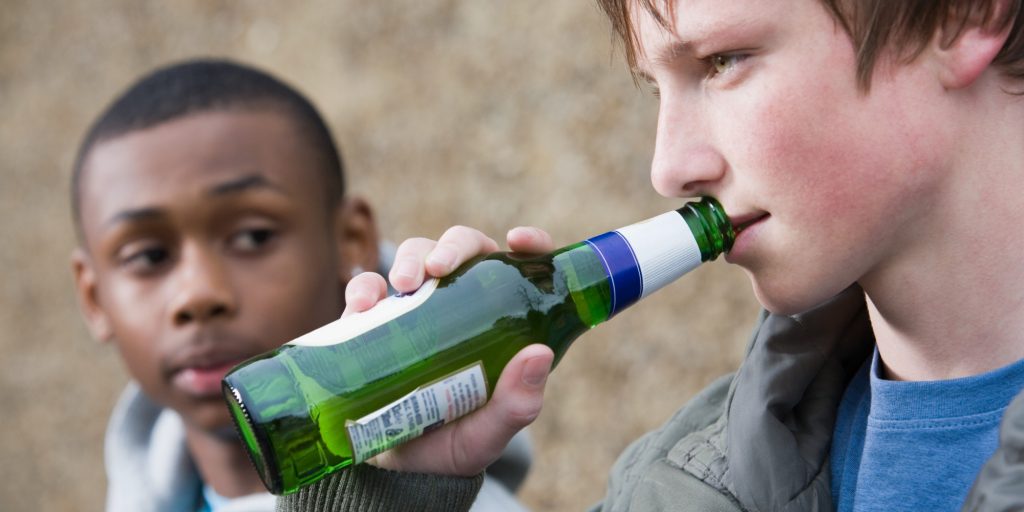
(681, 462)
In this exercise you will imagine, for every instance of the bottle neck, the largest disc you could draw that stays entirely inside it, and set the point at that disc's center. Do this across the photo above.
(644, 257)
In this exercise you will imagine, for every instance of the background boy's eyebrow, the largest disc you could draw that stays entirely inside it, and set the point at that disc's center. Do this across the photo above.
(244, 183)
(134, 215)
(234, 186)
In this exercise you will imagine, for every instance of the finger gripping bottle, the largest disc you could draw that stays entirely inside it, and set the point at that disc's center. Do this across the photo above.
(363, 384)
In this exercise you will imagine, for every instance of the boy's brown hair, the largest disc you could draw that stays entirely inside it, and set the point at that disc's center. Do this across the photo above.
(902, 27)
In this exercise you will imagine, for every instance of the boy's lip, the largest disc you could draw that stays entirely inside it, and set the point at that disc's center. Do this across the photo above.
(741, 222)
(199, 373)
(203, 381)
(746, 228)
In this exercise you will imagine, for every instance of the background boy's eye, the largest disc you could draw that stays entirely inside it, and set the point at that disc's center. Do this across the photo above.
(251, 239)
(144, 259)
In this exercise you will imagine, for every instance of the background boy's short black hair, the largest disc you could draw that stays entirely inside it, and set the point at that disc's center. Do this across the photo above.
(204, 85)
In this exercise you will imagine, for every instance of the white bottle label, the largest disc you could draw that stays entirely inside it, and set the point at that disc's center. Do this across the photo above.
(344, 329)
(646, 256)
(664, 248)
(427, 408)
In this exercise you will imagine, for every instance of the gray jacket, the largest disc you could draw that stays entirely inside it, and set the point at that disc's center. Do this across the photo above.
(757, 440)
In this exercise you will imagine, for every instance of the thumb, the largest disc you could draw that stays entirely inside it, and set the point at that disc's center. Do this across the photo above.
(516, 402)
(466, 447)
(519, 393)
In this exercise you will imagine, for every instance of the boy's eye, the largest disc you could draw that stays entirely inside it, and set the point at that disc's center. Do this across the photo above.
(143, 259)
(721, 63)
(251, 239)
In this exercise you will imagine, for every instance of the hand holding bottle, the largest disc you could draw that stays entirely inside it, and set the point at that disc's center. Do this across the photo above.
(468, 446)
(464, 340)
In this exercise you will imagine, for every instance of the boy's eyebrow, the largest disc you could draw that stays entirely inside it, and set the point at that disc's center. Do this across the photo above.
(664, 57)
(138, 214)
(242, 184)
(233, 186)
(676, 49)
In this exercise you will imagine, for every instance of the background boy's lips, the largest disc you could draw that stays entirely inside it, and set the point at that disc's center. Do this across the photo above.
(198, 368)
(206, 349)
(203, 381)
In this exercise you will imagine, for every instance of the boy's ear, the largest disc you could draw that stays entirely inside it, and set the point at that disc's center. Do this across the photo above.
(966, 48)
(357, 238)
(86, 283)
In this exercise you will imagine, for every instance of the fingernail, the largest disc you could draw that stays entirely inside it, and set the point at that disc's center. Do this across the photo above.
(406, 269)
(442, 255)
(535, 371)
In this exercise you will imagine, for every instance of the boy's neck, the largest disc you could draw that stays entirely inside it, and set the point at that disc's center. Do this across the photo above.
(948, 303)
(222, 463)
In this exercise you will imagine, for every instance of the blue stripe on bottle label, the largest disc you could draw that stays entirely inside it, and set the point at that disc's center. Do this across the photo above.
(623, 270)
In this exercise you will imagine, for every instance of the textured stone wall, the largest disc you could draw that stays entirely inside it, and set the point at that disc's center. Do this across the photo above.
(486, 113)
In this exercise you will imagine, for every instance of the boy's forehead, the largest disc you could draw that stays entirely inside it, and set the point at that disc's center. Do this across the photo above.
(191, 156)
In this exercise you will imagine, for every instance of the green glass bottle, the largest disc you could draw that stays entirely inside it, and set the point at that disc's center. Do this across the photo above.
(363, 384)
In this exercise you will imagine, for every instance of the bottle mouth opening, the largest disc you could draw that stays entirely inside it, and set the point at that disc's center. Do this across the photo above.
(252, 439)
(711, 226)
(722, 222)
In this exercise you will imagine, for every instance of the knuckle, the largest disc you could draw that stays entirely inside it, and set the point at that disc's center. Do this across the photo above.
(460, 232)
(524, 413)
(414, 244)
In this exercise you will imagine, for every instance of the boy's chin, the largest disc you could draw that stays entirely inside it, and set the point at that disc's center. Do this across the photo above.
(212, 418)
(793, 303)
(787, 299)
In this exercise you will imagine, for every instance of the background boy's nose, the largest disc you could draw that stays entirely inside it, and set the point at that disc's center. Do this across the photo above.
(203, 290)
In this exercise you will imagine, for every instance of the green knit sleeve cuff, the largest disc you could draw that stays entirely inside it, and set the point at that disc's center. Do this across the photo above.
(365, 488)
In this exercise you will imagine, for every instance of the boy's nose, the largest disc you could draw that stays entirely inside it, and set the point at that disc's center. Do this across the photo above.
(685, 161)
(203, 290)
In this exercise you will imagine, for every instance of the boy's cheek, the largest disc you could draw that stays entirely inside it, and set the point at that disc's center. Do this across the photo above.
(143, 367)
(800, 150)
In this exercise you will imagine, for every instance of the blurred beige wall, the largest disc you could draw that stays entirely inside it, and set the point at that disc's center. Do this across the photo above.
(486, 113)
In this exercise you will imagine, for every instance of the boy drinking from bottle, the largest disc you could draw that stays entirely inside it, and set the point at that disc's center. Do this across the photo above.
(213, 226)
(869, 153)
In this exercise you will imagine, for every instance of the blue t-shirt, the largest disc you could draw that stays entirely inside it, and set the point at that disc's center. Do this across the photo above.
(916, 445)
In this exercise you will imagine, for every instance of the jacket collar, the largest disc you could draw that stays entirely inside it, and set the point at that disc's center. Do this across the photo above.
(783, 404)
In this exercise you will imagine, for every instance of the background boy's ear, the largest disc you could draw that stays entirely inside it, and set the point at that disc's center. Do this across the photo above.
(88, 297)
(966, 48)
(357, 238)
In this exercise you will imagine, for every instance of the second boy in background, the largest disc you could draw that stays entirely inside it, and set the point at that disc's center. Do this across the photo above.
(213, 225)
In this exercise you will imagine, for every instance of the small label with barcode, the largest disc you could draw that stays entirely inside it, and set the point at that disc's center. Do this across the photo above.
(425, 409)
